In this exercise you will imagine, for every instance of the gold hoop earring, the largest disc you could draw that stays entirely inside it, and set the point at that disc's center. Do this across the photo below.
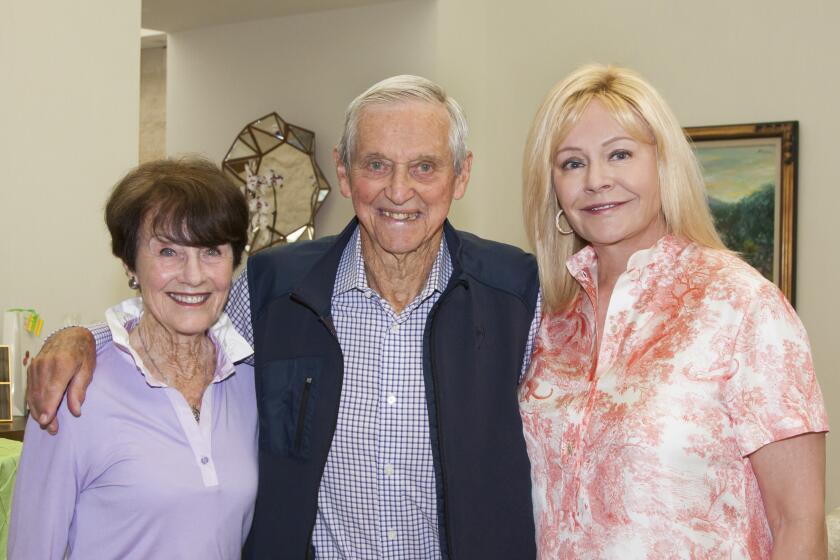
(557, 224)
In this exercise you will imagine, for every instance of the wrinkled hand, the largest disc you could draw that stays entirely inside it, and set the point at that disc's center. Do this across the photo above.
(65, 362)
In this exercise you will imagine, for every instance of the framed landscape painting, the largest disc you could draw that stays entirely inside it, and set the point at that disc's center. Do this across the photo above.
(750, 172)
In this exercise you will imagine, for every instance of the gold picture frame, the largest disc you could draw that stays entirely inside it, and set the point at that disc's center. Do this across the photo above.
(751, 180)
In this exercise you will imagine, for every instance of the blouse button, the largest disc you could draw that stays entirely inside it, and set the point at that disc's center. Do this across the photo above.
(204, 460)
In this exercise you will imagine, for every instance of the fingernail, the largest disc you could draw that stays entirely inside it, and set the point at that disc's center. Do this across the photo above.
(43, 419)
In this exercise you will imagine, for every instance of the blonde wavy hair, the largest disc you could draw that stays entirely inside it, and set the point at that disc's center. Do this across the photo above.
(642, 112)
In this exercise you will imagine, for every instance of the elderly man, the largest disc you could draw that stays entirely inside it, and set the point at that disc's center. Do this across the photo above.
(387, 358)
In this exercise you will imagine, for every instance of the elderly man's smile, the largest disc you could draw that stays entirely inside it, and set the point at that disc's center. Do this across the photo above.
(400, 216)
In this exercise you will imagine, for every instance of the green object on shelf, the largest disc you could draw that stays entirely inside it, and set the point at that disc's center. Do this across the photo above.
(33, 322)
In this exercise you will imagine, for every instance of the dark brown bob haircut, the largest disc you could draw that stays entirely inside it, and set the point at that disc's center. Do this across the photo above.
(186, 201)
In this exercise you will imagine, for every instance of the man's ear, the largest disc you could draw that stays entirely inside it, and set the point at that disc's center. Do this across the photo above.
(463, 178)
(342, 173)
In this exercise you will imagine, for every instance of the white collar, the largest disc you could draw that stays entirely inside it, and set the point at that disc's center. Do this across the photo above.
(230, 342)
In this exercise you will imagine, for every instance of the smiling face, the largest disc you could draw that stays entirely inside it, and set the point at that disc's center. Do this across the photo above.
(184, 288)
(607, 183)
(402, 178)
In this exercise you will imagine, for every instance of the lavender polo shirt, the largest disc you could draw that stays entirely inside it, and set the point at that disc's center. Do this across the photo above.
(136, 477)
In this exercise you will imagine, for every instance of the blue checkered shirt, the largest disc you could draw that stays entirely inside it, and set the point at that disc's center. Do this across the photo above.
(377, 498)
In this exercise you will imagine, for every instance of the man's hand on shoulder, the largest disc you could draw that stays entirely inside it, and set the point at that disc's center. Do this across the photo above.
(65, 363)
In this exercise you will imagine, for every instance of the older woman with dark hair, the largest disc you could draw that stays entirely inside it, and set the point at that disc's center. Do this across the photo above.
(671, 409)
(163, 463)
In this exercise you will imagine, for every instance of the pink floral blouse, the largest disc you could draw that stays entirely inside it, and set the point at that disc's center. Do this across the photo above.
(642, 451)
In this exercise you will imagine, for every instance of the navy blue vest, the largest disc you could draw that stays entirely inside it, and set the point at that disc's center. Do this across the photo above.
(473, 348)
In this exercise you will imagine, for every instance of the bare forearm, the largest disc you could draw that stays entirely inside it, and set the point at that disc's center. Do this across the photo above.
(805, 539)
(791, 476)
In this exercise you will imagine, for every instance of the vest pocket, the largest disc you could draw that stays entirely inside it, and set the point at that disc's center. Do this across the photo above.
(288, 396)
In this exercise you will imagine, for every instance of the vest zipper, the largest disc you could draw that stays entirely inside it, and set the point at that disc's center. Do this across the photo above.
(304, 400)
(328, 324)
(449, 554)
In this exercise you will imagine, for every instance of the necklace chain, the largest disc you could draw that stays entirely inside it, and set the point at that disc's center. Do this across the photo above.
(196, 410)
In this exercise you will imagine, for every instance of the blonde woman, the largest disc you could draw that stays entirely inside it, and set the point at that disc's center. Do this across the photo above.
(671, 409)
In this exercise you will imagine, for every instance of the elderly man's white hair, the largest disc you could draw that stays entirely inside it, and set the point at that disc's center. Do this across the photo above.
(399, 89)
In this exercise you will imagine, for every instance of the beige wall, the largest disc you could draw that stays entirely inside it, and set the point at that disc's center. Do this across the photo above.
(717, 62)
(152, 104)
(68, 115)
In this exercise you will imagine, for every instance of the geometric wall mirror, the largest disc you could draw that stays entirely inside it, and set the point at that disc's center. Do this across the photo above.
(274, 163)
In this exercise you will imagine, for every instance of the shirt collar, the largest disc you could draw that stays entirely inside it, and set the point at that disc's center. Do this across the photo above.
(583, 265)
(351, 269)
(230, 346)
